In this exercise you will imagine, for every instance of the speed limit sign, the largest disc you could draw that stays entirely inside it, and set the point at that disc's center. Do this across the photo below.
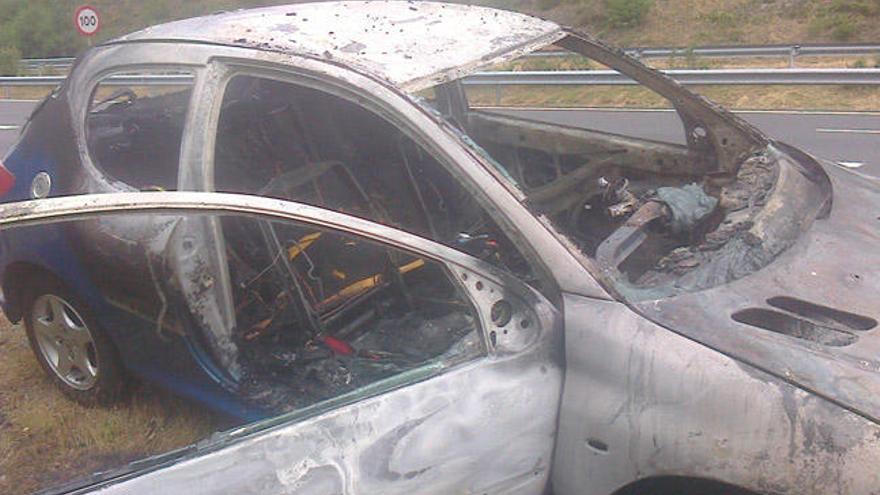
(87, 20)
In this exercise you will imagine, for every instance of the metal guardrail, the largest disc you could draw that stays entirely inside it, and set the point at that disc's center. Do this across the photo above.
(121, 80)
(847, 77)
(62, 62)
(733, 51)
(31, 80)
(687, 77)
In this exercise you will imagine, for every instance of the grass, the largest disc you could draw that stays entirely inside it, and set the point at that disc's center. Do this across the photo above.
(702, 22)
(773, 97)
(45, 439)
(831, 98)
(24, 92)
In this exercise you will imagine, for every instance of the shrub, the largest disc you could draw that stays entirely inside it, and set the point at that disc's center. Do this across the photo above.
(841, 26)
(867, 8)
(842, 18)
(721, 19)
(547, 4)
(627, 13)
(10, 56)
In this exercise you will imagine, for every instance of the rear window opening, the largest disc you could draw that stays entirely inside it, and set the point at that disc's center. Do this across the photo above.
(134, 132)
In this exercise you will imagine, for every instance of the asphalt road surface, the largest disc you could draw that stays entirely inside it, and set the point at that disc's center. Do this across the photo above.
(843, 137)
(13, 113)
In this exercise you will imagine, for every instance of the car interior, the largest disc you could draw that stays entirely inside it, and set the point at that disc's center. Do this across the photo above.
(320, 313)
(647, 211)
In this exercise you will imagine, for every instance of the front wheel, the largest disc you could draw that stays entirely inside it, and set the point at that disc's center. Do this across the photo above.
(71, 347)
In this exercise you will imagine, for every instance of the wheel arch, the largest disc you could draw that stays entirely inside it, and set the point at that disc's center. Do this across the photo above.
(15, 283)
(682, 485)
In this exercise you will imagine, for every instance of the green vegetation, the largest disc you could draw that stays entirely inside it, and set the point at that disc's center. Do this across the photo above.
(840, 26)
(37, 28)
(848, 98)
(843, 19)
(627, 13)
(9, 57)
(44, 28)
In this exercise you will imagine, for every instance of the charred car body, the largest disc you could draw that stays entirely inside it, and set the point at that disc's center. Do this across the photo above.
(410, 293)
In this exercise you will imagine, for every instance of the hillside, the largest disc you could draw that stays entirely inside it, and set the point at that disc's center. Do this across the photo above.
(708, 22)
(626, 22)
(44, 28)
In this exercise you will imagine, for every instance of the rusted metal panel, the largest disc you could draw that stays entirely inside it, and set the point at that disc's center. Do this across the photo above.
(413, 45)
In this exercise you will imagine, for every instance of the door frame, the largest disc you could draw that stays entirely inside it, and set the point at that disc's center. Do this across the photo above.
(560, 269)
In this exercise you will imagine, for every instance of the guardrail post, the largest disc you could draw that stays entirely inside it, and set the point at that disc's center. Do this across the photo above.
(792, 54)
(498, 91)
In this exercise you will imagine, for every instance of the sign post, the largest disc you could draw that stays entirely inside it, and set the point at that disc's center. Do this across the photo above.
(87, 21)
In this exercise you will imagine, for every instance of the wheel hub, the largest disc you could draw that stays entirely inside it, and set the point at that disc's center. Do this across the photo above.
(65, 342)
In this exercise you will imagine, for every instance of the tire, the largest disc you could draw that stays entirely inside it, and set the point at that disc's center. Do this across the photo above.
(70, 345)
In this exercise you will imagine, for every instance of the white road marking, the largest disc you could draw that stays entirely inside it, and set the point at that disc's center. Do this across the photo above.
(8, 127)
(671, 110)
(849, 131)
(851, 164)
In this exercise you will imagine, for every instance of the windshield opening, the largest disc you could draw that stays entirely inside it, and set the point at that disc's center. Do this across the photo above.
(617, 171)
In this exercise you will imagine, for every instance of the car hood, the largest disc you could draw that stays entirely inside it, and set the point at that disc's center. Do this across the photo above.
(809, 317)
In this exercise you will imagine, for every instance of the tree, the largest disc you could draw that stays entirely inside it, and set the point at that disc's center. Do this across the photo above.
(39, 28)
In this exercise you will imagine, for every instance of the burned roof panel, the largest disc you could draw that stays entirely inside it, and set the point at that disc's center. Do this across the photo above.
(413, 45)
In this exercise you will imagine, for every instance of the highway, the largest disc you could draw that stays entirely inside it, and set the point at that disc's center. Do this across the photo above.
(13, 113)
(842, 136)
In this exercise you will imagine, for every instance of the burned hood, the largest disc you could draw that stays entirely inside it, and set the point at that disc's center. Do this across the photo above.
(811, 315)
(413, 45)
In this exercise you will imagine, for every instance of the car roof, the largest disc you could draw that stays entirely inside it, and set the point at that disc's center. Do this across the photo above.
(412, 45)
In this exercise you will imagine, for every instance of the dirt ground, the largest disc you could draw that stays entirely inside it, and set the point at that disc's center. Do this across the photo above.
(46, 440)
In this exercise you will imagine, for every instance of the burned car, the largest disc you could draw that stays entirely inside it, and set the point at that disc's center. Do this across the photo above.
(300, 216)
